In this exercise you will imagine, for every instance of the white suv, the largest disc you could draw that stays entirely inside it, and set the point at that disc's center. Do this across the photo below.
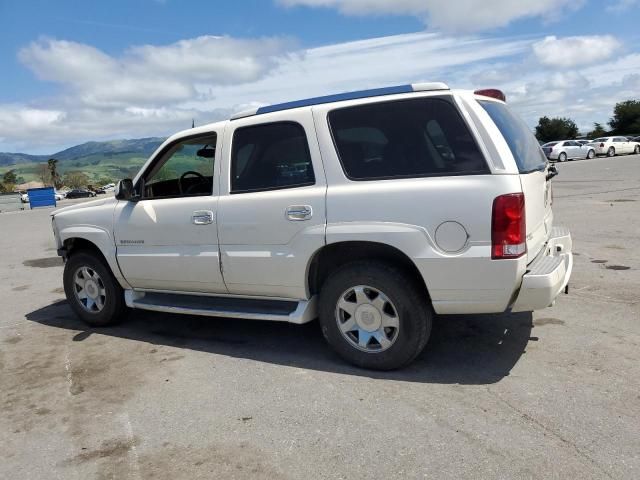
(370, 210)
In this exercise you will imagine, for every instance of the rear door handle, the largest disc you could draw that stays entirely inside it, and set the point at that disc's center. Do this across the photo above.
(202, 217)
(298, 213)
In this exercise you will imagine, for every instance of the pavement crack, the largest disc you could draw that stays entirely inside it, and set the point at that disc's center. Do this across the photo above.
(551, 432)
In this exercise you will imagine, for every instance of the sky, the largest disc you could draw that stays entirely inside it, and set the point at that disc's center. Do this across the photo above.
(76, 71)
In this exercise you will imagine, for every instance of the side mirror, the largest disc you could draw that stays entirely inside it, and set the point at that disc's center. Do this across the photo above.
(124, 189)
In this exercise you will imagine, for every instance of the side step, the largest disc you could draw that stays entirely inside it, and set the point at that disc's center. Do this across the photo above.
(291, 311)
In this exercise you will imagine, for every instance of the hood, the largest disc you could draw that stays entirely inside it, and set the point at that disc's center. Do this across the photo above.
(79, 206)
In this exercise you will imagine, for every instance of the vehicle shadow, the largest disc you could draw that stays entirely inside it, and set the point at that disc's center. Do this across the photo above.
(463, 349)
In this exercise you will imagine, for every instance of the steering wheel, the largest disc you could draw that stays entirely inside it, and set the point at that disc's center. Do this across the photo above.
(201, 180)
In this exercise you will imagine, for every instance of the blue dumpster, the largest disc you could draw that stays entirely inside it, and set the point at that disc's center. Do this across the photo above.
(42, 197)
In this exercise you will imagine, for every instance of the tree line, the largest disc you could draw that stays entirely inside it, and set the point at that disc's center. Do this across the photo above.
(625, 121)
(50, 177)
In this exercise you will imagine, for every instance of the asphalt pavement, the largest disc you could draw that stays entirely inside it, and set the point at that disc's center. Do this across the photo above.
(554, 394)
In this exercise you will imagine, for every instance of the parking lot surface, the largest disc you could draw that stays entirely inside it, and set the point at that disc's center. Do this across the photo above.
(554, 394)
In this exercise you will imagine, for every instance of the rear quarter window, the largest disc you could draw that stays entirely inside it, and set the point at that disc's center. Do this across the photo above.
(523, 144)
(405, 138)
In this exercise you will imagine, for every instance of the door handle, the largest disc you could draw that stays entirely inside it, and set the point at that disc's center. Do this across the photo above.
(298, 213)
(202, 217)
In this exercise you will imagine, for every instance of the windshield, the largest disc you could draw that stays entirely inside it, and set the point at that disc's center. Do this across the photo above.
(524, 146)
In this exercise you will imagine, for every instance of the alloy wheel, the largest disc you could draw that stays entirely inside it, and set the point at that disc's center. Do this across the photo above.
(89, 289)
(367, 319)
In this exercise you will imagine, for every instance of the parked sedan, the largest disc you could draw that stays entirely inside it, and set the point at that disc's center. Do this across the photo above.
(611, 146)
(564, 150)
(80, 193)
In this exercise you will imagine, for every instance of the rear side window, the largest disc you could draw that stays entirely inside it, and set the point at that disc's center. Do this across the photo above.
(523, 144)
(269, 157)
(407, 138)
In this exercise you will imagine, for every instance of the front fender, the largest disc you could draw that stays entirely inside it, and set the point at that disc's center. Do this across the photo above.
(102, 239)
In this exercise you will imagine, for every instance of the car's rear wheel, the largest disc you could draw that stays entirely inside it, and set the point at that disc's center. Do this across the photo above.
(611, 152)
(92, 291)
(591, 154)
(374, 315)
(562, 157)
(636, 150)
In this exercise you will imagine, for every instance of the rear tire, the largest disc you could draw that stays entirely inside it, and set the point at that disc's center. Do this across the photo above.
(390, 317)
(92, 291)
(611, 152)
(636, 151)
(562, 157)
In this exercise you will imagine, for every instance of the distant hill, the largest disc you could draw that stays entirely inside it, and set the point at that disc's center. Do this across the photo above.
(18, 158)
(101, 161)
(140, 147)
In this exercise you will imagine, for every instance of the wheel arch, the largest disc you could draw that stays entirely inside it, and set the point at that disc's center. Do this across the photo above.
(94, 240)
(334, 255)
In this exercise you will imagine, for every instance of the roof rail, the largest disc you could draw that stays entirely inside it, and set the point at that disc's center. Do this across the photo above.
(374, 92)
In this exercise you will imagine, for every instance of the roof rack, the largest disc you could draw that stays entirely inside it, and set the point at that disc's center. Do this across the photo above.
(374, 92)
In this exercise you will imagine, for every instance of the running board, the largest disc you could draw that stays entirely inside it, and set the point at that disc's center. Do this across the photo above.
(290, 311)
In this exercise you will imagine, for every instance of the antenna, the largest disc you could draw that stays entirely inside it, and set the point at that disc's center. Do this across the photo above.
(193, 123)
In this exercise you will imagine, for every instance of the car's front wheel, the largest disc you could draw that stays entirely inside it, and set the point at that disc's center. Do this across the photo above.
(374, 315)
(92, 291)
(591, 154)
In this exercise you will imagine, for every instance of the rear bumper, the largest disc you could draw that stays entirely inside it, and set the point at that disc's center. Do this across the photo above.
(548, 275)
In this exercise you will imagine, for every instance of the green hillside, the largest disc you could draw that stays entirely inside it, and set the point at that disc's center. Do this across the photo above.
(96, 167)
(100, 161)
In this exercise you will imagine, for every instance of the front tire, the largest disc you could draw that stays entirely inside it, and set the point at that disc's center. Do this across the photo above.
(374, 315)
(92, 291)
(611, 152)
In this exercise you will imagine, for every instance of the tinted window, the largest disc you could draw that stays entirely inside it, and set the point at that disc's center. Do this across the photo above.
(407, 138)
(523, 145)
(185, 169)
(270, 156)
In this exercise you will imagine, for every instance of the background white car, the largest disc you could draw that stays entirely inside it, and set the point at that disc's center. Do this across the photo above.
(563, 150)
(611, 146)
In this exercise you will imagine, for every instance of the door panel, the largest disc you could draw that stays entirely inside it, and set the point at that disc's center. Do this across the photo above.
(160, 247)
(268, 236)
(168, 239)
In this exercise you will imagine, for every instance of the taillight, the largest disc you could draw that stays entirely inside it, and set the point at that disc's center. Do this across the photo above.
(492, 93)
(602, 145)
(508, 227)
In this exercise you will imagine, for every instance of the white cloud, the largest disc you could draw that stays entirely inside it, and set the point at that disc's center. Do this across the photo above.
(569, 52)
(148, 74)
(458, 15)
(144, 93)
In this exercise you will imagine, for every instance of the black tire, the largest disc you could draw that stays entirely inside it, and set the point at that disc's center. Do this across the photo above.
(636, 151)
(611, 152)
(414, 313)
(591, 154)
(114, 308)
(562, 157)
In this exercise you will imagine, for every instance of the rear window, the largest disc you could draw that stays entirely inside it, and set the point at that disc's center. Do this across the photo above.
(550, 144)
(406, 138)
(523, 144)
